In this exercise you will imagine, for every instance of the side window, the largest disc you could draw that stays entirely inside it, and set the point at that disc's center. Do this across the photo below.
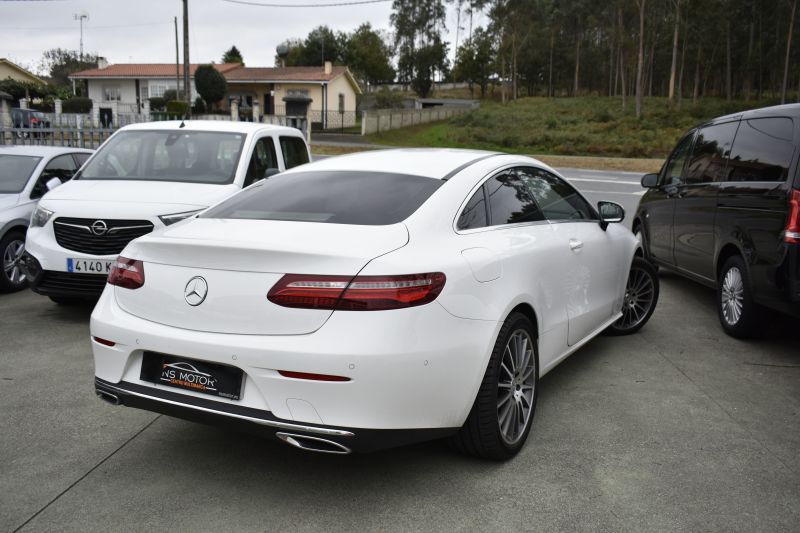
(262, 160)
(673, 170)
(294, 152)
(710, 153)
(80, 158)
(474, 213)
(509, 200)
(557, 199)
(62, 167)
(762, 150)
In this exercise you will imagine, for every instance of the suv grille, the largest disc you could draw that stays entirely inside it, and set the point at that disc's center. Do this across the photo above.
(69, 283)
(97, 236)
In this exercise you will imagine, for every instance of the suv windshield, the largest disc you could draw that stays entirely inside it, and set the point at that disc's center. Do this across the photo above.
(15, 171)
(335, 197)
(183, 156)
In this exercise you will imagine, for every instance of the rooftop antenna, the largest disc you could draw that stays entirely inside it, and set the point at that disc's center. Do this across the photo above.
(83, 15)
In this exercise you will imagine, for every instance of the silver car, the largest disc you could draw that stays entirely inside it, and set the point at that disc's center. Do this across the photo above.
(26, 174)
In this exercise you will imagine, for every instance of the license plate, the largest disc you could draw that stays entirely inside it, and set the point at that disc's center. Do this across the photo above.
(89, 266)
(189, 374)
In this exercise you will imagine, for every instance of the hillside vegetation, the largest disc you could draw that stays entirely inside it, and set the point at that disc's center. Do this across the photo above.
(586, 126)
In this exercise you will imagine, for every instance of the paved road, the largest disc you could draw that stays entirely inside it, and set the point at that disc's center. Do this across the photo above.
(676, 428)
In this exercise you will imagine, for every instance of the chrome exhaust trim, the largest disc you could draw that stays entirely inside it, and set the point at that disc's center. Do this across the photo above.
(313, 444)
(113, 399)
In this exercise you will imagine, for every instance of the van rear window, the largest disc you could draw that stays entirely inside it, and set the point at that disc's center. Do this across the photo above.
(333, 197)
(762, 150)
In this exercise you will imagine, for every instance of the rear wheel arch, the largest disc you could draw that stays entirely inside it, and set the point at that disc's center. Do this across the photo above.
(726, 252)
(527, 310)
(637, 226)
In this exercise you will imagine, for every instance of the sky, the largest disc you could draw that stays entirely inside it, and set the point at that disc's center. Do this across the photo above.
(142, 31)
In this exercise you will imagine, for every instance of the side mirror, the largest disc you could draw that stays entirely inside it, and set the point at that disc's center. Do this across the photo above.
(610, 213)
(271, 172)
(52, 183)
(650, 181)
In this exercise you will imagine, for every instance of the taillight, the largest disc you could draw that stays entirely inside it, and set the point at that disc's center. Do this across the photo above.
(362, 293)
(127, 273)
(792, 232)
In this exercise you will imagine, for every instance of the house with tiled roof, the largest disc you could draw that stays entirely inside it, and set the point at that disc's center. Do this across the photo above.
(332, 89)
(10, 70)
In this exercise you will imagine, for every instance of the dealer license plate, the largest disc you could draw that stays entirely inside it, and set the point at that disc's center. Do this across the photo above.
(89, 266)
(189, 374)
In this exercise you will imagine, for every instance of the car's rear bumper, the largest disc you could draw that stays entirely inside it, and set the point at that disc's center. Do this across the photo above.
(408, 370)
(312, 437)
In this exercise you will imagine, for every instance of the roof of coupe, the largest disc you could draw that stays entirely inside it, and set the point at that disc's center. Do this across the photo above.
(437, 163)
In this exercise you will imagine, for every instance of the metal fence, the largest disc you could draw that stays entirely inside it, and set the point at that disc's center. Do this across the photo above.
(79, 131)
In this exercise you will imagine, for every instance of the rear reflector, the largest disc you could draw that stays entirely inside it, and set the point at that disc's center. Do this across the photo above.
(362, 293)
(312, 377)
(791, 234)
(104, 342)
(127, 273)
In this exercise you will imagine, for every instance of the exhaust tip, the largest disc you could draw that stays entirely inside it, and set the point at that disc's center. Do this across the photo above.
(313, 444)
(108, 397)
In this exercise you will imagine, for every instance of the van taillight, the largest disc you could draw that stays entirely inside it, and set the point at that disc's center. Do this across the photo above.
(127, 273)
(792, 232)
(362, 293)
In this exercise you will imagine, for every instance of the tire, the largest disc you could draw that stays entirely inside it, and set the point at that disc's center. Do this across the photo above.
(641, 298)
(65, 300)
(484, 433)
(739, 315)
(12, 245)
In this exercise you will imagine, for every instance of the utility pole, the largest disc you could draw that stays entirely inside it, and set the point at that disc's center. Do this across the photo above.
(187, 88)
(177, 61)
(81, 17)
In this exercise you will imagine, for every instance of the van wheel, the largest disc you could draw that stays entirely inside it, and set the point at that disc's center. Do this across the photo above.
(502, 415)
(738, 313)
(11, 248)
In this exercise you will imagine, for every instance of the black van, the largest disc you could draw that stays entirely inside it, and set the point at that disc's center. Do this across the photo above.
(725, 211)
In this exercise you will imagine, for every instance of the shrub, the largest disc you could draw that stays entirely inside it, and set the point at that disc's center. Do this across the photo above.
(551, 123)
(157, 103)
(178, 108)
(169, 95)
(77, 104)
(210, 84)
(199, 106)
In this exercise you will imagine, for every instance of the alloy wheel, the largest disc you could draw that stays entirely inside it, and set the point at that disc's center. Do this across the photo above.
(515, 386)
(11, 259)
(639, 298)
(732, 300)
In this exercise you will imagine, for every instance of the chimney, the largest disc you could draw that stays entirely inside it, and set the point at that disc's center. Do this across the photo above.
(102, 62)
(328, 67)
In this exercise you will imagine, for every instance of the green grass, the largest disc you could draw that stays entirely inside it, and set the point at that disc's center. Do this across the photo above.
(585, 126)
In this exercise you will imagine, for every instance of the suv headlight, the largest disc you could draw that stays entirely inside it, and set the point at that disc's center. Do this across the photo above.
(40, 217)
(177, 217)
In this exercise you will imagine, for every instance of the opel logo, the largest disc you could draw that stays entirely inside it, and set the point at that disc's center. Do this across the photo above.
(99, 227)
(195, 291)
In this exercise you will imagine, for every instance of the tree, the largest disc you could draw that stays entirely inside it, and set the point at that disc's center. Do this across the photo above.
(211, 85)
(640, 64)
(475, 60)
(233, 55)
(418, 26)
(368, 56)
(788, 51)
(59, 63)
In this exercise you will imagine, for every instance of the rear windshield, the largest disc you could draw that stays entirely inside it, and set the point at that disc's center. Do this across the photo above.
(15, 171)
(182, 156)
(334, 197)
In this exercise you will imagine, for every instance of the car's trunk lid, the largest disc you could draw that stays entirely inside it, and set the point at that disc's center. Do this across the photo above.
(239, 261)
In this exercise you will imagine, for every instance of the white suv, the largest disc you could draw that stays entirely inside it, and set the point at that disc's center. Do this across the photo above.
(146, 176)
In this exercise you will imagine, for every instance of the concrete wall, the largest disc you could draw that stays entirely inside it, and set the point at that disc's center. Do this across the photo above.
(392, 119)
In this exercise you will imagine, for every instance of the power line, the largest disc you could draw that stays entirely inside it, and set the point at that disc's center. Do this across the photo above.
(327, 4)
(6, 28)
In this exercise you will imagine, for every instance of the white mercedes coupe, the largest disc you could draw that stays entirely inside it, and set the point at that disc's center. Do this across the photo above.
(371, 300)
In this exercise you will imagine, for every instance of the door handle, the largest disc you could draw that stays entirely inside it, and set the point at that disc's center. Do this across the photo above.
(575, 245)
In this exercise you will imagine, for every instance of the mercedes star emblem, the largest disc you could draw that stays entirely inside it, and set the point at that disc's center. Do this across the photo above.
(196, 291)
(99, 227)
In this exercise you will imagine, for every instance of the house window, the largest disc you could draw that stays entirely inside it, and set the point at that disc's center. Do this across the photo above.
(158, 88)
(111, 93)
(144, 93)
